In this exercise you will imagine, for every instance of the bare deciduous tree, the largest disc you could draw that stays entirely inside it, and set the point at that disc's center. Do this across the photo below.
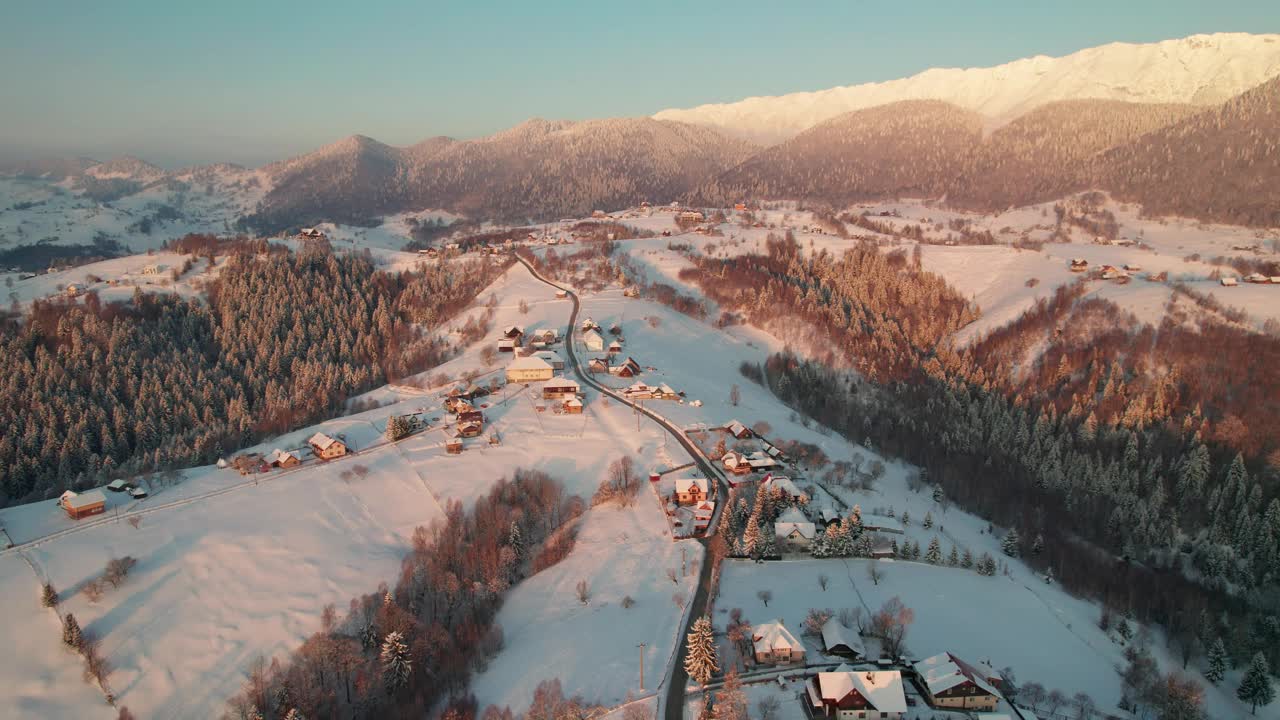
(765, 596)
(583, 591)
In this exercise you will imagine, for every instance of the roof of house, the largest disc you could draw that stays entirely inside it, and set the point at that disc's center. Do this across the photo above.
(321, 441)
(945, 671)
(591, 336)
(550, 356)
(686, 484)
(560, 382)
(774, 635)
(880, 522)
(782, 483)
(737, 428)
(529, 362)
(279, 455)
(573, 402)
(882, 689)
(834, 634)
(84, 499)
(792, 520)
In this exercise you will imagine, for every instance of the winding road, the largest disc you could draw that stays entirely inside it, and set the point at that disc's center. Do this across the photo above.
(673, 705)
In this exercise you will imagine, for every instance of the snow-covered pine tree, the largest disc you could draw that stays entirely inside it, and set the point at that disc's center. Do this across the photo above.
(1255, 688)
(369, 636)
(700, 652)
(893, 548)
(937, 493)
(864, 546)
(1012, 543)
(928, 521)
(1217, 658)
(1037, 546)
(396, 664)
(751, 536)
(954, 558)
(515, 539)
(768, 546)
(397, 428)
(71, 634)
(966, 561)
(906, 518)
(986, 565)
(934, 554)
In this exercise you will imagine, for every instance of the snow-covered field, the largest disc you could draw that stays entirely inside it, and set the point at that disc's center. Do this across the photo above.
(233, 567)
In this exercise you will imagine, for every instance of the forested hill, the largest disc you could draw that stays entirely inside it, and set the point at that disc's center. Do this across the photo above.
(1145, 458)
(100, 390)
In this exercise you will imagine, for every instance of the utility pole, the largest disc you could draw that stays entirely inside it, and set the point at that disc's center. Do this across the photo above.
(641, 646)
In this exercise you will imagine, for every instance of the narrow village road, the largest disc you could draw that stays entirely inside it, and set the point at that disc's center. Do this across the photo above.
(673, 705)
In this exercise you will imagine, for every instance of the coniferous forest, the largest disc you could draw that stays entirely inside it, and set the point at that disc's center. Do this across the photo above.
(96, 390)
(1152, 493)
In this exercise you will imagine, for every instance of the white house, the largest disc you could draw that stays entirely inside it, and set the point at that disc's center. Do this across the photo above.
(794, 529)
(774, 644)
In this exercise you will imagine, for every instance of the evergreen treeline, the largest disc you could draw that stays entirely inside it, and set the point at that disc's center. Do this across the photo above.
(1132, 496)
(94, 390)
(399, 652)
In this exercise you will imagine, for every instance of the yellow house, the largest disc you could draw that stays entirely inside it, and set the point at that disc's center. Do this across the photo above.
(529, 369)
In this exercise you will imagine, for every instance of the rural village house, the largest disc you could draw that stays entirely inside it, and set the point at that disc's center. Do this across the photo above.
(950, 682)
(794, 529)
(529, 369)
(857, 694)
(559, 389)
(79, 505)
(840, 640)
(691, 490)
(774, 644)
(325, 447)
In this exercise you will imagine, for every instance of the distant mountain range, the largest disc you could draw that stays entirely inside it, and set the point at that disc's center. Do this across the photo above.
(1184, 127)
(1198, 70)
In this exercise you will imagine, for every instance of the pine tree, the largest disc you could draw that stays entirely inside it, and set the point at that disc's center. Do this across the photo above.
(515, 539)
(397, 428)
(967, 561)
(71, 634)
(893, 548)
(48, 596)
(1217, 662)
(954, 558)
(1012, 543)
(751, 536)
(768, 546)
(928, 521)
(700, 652)
(396, 665)
(934, 554)
(986, 565)
(1037, 546)
(937, 494)
(1255, 688)
(906, 518)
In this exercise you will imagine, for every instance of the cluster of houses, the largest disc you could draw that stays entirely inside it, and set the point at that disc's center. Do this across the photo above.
(1255, 278)
(320, 445)
(945, 681)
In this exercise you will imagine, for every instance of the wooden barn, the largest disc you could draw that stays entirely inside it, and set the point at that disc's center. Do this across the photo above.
(80, 505)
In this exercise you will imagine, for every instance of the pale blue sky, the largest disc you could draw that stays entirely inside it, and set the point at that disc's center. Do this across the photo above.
(186, 82)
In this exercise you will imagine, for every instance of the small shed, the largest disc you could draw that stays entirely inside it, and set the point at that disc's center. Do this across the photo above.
(453, 446)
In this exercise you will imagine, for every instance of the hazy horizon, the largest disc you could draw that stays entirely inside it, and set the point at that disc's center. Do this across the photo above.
(246, 84)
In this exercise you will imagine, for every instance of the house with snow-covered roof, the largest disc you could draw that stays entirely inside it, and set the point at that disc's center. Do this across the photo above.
(559, 388)
(950, 682)
(78, 505)
(529, 369)
(794, 529)
(774, 644)
(857, 694)
(840, 640)
(784, 486)
(691, 490)
(325, 447)
(593, 341)
(738, 430)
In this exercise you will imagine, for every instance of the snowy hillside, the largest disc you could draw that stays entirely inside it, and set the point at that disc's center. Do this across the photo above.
(1201, 69)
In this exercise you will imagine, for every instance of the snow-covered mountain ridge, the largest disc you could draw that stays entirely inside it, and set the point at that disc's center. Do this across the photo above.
(1200, 69)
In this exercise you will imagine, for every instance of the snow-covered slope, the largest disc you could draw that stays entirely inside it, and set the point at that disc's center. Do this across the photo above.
(1201, 69)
